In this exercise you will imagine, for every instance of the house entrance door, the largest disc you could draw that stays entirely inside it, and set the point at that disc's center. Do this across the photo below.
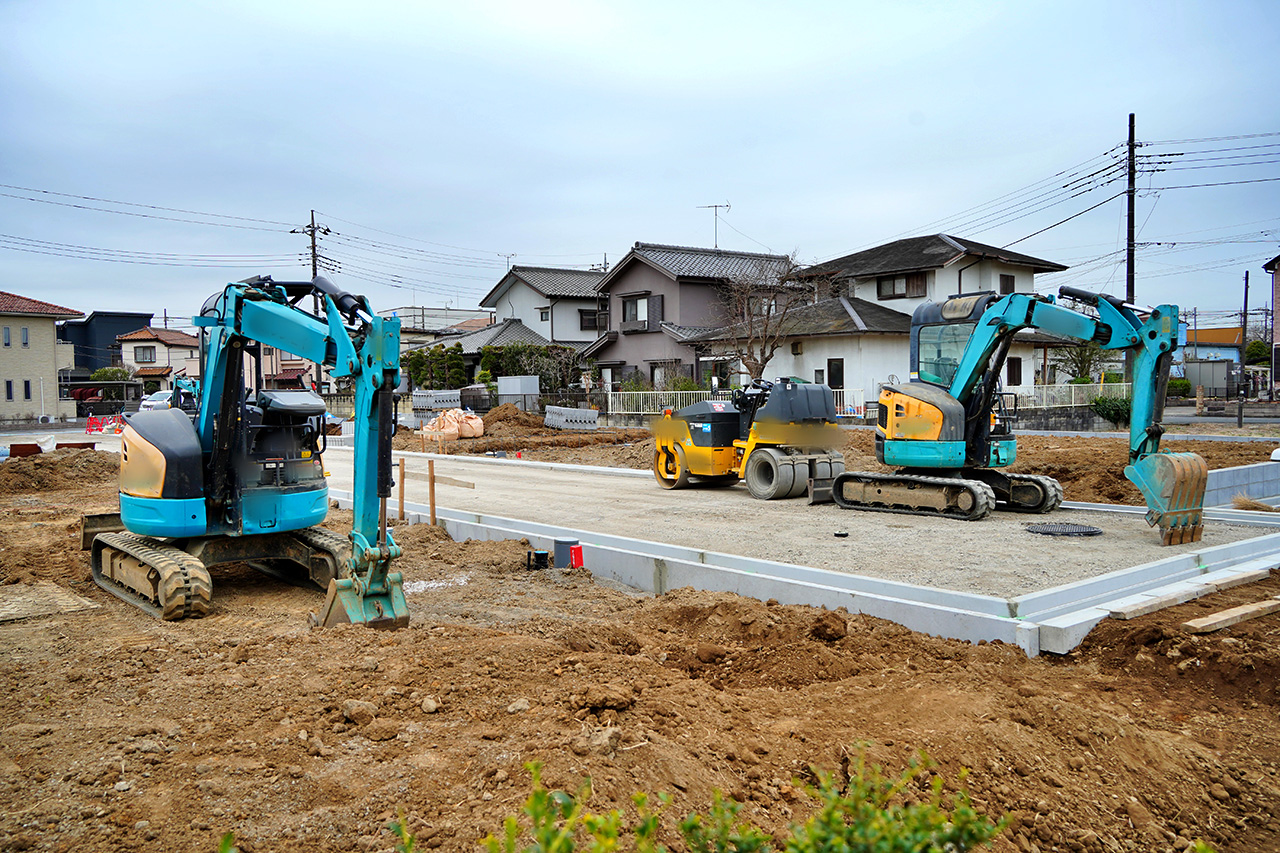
(835, 373)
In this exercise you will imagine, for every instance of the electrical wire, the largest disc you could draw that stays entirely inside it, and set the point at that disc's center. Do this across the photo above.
(140, 215)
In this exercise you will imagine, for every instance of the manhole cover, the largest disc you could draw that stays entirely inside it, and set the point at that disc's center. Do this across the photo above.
(1059, 528)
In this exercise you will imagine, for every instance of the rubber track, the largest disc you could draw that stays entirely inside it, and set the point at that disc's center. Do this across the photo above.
(1051, 488)
(334, 544)
(983, 504)
(185, 588)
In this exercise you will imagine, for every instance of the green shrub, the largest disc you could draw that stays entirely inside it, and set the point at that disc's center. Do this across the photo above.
(871, 813)
(1111, 376)
(1178, 388)
(1114, 409)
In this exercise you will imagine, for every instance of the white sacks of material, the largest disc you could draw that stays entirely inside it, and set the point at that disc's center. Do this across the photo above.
(455, 423)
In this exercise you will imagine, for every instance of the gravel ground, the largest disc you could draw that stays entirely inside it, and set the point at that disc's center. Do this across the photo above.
(996, 556)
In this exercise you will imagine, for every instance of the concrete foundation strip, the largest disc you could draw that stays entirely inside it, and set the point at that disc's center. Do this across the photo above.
(1053, 620)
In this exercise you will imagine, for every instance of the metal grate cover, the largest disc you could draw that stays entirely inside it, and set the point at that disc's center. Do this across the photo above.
(1061, 528)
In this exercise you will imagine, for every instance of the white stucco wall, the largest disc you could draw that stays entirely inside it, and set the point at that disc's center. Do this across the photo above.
(944, 283)
(526, 305)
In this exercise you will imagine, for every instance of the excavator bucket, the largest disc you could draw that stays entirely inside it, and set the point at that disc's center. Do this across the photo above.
(348, 601)
(1173, 485)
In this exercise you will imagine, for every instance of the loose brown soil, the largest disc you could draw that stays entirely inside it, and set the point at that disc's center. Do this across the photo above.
(120, 732)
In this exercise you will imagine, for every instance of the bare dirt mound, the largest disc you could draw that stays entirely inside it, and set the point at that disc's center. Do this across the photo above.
(123, 732)
(513, 418)
(57, 470)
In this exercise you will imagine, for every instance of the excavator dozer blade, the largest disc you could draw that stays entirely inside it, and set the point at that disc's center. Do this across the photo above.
(1173, 485)
(347, 602)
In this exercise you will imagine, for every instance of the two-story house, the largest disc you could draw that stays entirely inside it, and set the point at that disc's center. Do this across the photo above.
(31, 357)
(561, 305)
(96, 338)
(903, 274)
(659, 298)
(156, 356)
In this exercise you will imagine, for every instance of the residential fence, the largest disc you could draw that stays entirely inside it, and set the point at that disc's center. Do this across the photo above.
(1065, 396)
(850, 402)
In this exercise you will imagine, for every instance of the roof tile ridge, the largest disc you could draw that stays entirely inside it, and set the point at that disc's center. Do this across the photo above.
(853, 315)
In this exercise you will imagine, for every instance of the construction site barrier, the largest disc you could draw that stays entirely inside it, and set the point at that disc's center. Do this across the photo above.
(435, 401)
(559, 417)
(105, 423)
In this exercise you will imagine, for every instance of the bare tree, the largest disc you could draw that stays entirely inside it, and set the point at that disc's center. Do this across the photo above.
(756, 305)
(1086, 361)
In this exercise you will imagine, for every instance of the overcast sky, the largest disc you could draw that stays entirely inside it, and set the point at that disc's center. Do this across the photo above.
(435, 139)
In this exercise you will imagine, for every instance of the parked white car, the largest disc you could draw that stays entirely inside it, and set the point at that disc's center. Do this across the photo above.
(158, 400)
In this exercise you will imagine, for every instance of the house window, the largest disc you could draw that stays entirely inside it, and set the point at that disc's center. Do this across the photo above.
(1006, 284)
(587, 319)
(819, 377)
(265, 351)
(26, 389)
(635, 314)
(8, 385)
(6, 337)
(544, 314)
(635, 309)
(144, 355)
(911, 285)
(762, 306)
(1013, 367)
(26, 337)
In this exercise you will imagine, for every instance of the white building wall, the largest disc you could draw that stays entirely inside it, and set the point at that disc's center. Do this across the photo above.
(963, 276)
(526, 305)
(567, 323)
(869, 360)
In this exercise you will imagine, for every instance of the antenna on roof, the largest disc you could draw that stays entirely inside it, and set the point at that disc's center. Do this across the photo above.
(508, 257)
(715, 212)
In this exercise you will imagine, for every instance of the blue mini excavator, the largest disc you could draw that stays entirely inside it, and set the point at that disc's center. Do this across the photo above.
(948, 435)
(241, 478)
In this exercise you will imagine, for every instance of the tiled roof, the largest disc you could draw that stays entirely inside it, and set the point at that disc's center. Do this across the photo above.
(509, 331)
(170, 337)
(145, 372)
(552, 282)
(472, 325)
(12, 303)
(921, 253)
(839, 316)
(287, 373)
(692, 262)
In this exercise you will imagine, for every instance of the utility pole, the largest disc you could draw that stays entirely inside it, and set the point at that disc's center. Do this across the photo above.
(313, 231)
(1244, 323)
(1131, 192)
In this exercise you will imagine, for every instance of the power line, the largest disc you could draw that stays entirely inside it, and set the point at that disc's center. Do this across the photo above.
(140, 215)
(1212, 139)
(148, 206)
(1220, 184)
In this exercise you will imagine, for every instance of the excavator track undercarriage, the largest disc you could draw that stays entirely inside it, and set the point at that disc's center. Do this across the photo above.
(160, 579)
(911, 494)
(170, 580)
